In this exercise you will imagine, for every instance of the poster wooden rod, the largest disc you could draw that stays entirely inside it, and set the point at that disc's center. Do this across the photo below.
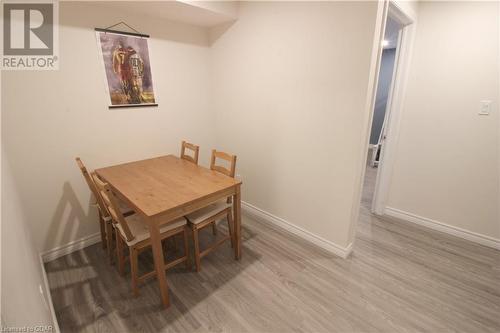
(122, 32)
(131, 105)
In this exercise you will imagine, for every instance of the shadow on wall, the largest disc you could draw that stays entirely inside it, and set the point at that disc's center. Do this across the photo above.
(68, 217)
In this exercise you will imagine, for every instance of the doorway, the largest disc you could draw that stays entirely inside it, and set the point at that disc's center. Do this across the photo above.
(392, 72)
(387, 69)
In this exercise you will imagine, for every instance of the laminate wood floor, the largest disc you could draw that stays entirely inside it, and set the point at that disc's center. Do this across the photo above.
(400, 277)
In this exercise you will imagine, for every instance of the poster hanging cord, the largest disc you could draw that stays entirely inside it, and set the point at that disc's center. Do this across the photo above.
(109, 29)
(125, 24)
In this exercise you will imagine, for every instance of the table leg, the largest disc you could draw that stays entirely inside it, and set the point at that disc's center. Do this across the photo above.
(237, 223)
(159, 261)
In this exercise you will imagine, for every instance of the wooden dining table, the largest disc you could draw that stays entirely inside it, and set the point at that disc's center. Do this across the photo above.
(165, 188)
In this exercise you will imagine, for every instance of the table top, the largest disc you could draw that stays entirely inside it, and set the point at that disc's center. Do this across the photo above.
(157, 185)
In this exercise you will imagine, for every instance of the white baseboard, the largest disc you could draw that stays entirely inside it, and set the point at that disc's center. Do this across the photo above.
(49, 296)
(247, 208)
(273, 220)
(442, 227)
(71, 247)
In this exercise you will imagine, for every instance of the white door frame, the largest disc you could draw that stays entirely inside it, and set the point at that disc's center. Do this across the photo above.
(395, 104)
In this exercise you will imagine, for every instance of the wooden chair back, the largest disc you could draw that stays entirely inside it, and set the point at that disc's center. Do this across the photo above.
(190, 146)
(112, 205)
(92, 187)
(224, 156)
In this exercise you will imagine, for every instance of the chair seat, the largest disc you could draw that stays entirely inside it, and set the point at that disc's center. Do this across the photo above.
(201, 215)
(140, 230)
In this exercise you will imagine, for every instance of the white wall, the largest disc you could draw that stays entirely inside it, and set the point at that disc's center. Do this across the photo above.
(49, 118)
(290, 87)
(446, 166)
(22, 278)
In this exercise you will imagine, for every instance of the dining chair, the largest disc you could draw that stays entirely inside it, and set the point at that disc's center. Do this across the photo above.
(134, 232)
(194, 148)
(104, 217)
(210, 215)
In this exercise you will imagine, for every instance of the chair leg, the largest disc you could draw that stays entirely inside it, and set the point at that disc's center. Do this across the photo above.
(109, 240)
(119, 255)
(186, 248)
(103, 231)
(134, 270)
(214, 228)
(196, 248)
(230, 225)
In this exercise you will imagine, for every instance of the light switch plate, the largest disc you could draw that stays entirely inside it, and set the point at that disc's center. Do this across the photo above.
(484, 108)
